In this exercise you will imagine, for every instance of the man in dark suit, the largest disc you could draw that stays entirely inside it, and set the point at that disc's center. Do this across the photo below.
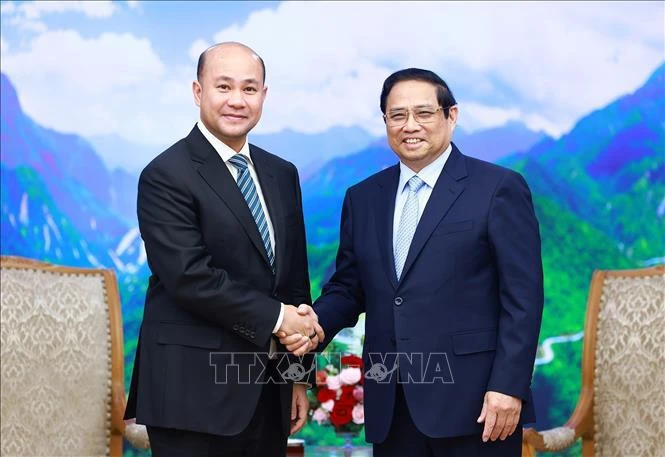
(224, 235)
(442, 253)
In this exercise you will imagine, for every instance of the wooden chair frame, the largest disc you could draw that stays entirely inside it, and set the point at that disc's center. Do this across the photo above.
(118, 399)
(582, 419)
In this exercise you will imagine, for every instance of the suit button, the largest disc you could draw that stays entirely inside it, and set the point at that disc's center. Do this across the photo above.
(252, 335)
(235, 327)
(398, 301)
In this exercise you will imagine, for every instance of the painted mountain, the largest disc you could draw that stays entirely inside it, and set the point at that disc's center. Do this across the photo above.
(61, 205)
(325, 190)
(308, 151)
(599, 193)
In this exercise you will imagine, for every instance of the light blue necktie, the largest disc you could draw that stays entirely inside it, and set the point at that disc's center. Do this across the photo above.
(407, 224)
(248, 190)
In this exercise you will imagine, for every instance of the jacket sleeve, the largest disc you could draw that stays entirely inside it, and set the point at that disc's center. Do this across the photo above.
(515, 241)
(299, 286)
(342, 299)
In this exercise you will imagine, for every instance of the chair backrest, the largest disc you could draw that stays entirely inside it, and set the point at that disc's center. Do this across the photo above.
(62, 360)
(626, 339)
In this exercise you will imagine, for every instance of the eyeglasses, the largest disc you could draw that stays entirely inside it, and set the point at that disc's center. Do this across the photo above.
(422, 115)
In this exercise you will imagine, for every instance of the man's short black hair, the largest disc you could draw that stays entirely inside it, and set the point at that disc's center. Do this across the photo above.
(444, 95)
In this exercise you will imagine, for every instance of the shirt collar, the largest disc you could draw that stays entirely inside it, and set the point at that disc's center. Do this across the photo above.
(429, 174)
(222, 149)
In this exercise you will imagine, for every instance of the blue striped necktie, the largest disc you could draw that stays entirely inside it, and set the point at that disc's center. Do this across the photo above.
(407, 224)
(248, 190)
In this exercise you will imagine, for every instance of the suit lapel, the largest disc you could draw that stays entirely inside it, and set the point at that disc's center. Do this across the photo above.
(272, 196)
(447, 189)
(385, 210)
(215, 172)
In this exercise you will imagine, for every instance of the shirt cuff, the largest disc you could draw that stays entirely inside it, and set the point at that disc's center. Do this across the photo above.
(280, 318)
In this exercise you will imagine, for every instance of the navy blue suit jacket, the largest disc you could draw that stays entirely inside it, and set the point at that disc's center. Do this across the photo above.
(467, 308)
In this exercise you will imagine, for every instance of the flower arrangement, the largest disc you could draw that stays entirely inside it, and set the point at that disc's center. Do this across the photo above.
(338, 396)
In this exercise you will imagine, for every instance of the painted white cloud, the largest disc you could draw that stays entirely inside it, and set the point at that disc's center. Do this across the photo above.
(92, 66)
(7, 8)
(28, 25)
(475, 115)
(96, 9)
(557, 61)
(4, 46)
(29, 16)
(197, 48)
(114, 83)
(541, 63)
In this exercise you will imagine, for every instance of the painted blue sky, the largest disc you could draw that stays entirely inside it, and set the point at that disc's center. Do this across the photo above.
(125, 68)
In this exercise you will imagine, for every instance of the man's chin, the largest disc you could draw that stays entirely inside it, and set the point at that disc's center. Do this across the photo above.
(236, 132)
(413, 156)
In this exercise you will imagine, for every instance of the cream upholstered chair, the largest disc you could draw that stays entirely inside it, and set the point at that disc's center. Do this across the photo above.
(62, 390)
(621, 408)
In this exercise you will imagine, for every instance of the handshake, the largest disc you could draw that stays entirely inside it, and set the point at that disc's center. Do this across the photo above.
(300, 331)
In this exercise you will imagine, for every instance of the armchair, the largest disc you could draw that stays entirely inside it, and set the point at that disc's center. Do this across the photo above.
(62, 390)
(621, 406)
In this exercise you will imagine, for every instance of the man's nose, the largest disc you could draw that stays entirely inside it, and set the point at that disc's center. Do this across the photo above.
(236, 99)
(411, 124)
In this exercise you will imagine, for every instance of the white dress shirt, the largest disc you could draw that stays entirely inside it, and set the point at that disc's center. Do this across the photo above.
(226, 153)
(429, 175)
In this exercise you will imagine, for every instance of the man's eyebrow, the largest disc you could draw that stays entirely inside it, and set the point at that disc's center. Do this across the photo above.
(402, 108)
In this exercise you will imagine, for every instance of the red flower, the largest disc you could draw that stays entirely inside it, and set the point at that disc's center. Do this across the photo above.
(341, 414)
(321, 377)
(347, 396)
(324, 394)
(352, 361)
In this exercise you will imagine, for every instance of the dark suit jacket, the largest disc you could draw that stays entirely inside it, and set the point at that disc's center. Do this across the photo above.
(212, 289)
(470, 298)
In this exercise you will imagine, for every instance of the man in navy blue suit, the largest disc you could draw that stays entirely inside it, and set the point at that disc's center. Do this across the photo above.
(442, 253)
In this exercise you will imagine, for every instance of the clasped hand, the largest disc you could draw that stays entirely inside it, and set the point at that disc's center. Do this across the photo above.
(300, 331)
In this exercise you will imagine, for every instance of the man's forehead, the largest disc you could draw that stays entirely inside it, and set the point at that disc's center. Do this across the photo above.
(235, 58)
(236, 67)
(412, 100)
(231, 47)
(243, 79)
(418, 92)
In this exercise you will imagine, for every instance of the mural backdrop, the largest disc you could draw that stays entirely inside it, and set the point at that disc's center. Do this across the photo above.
(570, 95)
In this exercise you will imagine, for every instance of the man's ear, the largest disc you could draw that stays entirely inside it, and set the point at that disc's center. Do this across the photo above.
(453, 112)
(196, 90)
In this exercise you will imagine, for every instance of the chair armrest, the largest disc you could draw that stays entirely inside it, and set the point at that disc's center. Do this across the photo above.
(551, 440)
(580, 424)
(137, 435)
(117, 408)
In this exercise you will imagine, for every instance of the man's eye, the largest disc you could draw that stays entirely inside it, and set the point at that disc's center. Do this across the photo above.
(223, 87)
(424, 114)
(250, 89)
(398, 116)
